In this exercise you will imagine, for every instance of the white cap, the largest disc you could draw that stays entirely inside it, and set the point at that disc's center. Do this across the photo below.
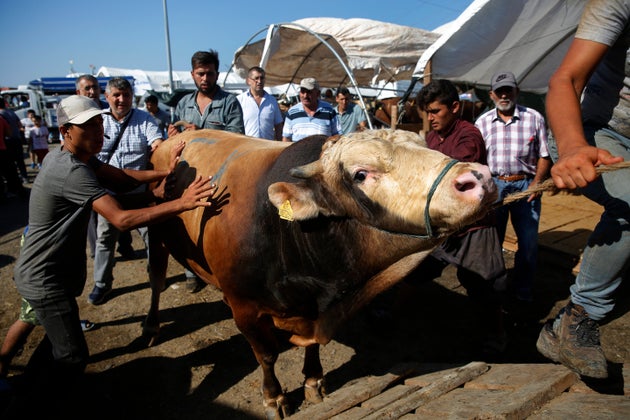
(76, 109)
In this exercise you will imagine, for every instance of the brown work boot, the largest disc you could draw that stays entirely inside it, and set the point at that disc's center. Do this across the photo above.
(573, 340)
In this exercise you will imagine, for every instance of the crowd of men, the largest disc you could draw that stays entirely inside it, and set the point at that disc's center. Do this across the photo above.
(589, 130)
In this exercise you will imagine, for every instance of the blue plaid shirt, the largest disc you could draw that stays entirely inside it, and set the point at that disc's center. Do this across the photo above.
(135, 145)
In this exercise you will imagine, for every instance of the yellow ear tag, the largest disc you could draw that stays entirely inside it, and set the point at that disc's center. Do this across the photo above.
(285, 211)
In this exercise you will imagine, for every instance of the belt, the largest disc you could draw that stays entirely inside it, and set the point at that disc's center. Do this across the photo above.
(511, 178)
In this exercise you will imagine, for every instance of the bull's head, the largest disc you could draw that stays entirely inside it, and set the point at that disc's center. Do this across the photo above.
(385, 178)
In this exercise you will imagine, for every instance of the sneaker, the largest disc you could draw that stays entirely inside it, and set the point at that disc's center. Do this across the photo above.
(193, 284)
(99, 294)
(573, 340)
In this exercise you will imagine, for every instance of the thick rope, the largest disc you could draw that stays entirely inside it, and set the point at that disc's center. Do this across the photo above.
(549, 186)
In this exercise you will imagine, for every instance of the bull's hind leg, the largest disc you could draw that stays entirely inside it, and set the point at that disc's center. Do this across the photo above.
(158, 263)
(313, 375)
(259, 333)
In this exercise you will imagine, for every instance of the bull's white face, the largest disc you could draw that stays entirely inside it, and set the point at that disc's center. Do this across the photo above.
(383, 178)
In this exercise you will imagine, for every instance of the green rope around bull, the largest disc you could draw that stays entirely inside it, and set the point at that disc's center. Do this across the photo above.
(549, 186)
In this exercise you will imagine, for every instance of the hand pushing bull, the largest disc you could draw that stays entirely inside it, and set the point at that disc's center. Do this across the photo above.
(51, 270)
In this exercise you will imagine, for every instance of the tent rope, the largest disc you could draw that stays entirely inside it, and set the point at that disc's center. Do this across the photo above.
(549, 186)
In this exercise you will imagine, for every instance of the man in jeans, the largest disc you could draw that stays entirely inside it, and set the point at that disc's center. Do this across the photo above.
(588, 133)
(516, 141)
(133, 134)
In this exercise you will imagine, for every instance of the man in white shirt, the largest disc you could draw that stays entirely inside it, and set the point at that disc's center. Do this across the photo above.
(261, 113)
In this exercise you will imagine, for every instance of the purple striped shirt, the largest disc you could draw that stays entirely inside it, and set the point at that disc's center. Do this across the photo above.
(514, 147)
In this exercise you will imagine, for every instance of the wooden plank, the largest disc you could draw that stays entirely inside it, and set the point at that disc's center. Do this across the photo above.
(585, 407)
(429, 378)
(377, 402)
(513, 377)
(447, 383)
(465, 403)
(504, 392)
(530, 398)
(565, 223)
(354, 394)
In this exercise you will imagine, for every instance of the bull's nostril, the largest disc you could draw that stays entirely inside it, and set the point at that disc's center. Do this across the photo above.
(465, 186)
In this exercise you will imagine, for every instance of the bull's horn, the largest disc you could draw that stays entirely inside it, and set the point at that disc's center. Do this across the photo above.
(307, 171)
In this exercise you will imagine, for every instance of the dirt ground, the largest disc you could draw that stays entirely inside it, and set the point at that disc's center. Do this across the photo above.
(203, 367)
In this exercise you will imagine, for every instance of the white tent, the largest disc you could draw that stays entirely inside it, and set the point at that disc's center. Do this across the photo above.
(526, 37)
(371, 51)
(158, 81)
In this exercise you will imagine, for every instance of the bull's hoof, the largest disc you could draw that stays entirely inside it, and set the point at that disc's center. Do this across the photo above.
(314, 390)
(277, 408)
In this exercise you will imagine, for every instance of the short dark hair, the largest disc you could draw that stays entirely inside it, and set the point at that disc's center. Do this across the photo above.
(441, 90)
(204, 58)
(342, 91)
(257, 69)
(152, 99)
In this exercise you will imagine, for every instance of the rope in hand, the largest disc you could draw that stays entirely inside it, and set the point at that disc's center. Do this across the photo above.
(549, 186)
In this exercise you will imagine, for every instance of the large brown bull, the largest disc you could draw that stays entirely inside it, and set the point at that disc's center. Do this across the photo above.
(304, 234)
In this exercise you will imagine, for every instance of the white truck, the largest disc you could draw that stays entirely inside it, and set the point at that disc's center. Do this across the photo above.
(43, 95)
(24, 98)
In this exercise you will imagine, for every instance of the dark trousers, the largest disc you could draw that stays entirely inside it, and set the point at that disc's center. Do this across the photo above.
(16, 152)
(8, 171)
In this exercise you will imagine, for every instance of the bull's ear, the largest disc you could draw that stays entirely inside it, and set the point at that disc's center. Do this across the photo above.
(293, 201)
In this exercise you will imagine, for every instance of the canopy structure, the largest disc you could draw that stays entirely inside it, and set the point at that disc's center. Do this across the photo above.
(527, 37)
(335, 51)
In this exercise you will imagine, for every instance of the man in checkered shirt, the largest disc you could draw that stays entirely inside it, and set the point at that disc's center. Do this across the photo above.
(139, 136)
(516, 144)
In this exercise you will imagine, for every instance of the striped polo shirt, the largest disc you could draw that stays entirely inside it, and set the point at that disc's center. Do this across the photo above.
(298, 124)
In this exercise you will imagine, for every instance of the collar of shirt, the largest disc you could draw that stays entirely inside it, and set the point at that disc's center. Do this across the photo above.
(515, 116)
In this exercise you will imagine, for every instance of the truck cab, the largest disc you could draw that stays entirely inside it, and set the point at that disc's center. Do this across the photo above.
(22, 99)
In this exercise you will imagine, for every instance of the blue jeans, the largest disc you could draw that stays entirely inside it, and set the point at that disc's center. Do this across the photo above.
(525, 218)
(105, 249)
(606, 255)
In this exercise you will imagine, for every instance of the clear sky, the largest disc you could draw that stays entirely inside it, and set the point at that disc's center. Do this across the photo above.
(42, 38)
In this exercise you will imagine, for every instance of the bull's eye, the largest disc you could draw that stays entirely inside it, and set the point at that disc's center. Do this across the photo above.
(360, 176)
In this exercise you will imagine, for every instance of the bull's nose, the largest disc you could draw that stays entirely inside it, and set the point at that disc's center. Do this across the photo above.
(474, 184)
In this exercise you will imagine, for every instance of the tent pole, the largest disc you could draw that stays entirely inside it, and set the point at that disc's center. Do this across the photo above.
(340, 60)
(168, 56)
(426, 80)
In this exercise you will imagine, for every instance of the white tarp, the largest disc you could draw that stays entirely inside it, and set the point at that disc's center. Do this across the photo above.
(158, 81)
(373, 51)
(527, 37)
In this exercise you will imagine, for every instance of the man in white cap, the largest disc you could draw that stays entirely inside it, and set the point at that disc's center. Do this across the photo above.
(311, 116)
(51, 269)
(516, 144)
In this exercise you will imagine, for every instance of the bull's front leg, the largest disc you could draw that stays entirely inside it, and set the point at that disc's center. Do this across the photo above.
(158, 263)
(259, 333)
(314, 390)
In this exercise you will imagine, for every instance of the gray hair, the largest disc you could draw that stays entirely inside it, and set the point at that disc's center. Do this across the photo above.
(119, 83)
(87, 77)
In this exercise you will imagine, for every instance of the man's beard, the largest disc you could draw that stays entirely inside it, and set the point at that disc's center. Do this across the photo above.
(209, 90)
(505, 107)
